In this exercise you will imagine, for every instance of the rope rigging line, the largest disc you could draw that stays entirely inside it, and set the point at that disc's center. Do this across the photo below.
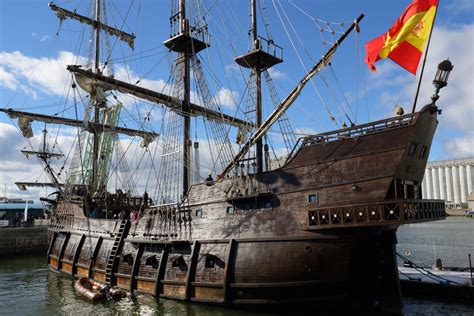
(426, 273)
(302, 63)
(116, 38)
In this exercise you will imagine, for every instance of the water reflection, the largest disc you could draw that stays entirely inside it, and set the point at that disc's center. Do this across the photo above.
(61, 298)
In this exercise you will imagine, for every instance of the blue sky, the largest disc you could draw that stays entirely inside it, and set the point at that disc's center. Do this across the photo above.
(33, 60)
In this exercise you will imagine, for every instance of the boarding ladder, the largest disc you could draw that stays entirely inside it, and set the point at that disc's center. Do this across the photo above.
(116, 249)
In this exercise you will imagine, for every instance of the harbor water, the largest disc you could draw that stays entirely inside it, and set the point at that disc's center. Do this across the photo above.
(27, 287)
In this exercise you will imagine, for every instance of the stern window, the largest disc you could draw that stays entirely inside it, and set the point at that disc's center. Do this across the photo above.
(422, 152)
(413, 148)
(313, 199)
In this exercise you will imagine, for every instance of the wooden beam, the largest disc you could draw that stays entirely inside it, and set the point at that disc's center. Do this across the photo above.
(63, 14)
(161, 268)
(136, 267)
(51, 244)
(91, 127)
(76, 254)
(94, 255)
(63, 248)
(190, 275)
(229, 257)
(109, 83)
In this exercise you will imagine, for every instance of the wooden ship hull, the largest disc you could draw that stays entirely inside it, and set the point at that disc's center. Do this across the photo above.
(320, 228)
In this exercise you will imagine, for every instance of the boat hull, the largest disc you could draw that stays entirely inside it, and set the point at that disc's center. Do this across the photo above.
(320, 268)
(320, 228)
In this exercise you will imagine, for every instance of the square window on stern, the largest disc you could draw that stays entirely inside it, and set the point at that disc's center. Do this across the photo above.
(230, 210)
(199, 213)
(313, 198)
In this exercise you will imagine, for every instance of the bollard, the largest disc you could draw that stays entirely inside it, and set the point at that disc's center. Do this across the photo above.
(470, 269)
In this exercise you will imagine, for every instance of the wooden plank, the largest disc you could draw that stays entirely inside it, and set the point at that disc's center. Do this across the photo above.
(136, 267)
(63, 248)
(51, 245)
(286, 284)
(192, 269)
(161, 269)
(77, 254)
(94, 256)
(229, 258)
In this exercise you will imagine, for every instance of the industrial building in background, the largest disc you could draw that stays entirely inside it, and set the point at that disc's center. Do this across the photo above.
(449, 180)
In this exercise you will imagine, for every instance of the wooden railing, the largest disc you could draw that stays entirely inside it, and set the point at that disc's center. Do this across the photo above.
(389, 212)
(359, 130)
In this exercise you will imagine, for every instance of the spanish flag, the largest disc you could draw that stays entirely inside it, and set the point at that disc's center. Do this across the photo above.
(405, 41)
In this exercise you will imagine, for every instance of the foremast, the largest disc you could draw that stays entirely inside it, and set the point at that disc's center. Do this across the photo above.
(104, 121)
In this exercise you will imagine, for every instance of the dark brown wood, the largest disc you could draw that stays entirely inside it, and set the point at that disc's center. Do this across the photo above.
(63, 248)
(153, 96)
(192, 268)
(161, 269)
(136, 266)
(51, 245)
(227, 270)
(266, 249)
(94, 256)
(76, 254)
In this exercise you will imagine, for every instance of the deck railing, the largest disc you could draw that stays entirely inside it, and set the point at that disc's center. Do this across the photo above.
(389, 212)
(360, 130)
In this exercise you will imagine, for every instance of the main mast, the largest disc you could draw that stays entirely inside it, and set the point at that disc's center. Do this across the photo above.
(95, 100)
(187, 98)
(186, 45)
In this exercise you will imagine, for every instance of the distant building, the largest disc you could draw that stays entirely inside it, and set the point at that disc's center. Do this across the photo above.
(12, 207)
(470, 201)
(449, 180)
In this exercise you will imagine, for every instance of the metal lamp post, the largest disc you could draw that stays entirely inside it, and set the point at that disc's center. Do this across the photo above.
(441, 78)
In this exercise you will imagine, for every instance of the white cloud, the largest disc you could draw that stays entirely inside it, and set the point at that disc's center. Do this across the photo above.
(48, 75)
(460, 147)
(227, 98)
(304, 131)
(276, 74)
(232, 69)
(457, 44)
(40, 37)
(460, 6)
(8, 80)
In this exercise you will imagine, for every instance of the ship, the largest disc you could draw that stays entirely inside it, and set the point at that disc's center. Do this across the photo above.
(320, 228)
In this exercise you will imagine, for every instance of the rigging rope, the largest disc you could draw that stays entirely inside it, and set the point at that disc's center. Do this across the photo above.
(302, 63)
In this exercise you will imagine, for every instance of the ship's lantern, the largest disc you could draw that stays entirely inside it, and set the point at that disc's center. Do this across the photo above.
(442, 75)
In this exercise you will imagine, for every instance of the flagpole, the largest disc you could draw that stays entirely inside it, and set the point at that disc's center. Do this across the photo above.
(424, 61)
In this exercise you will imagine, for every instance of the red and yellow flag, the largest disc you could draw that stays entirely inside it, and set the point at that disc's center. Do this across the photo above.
(405, 41)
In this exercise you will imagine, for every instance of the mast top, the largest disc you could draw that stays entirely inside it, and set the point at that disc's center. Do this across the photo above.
(264, 53)
(183, 37)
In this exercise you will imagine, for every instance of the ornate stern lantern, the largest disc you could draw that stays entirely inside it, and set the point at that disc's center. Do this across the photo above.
(441, 78)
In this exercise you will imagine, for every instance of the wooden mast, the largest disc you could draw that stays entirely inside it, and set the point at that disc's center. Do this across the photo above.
(258, 60)
(95, 100)
(257, 71)
(187, 97)
(187, 45)
(290, 98)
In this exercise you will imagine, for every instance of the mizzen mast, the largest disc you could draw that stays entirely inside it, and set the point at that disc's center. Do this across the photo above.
(264, 54)
(290, 98)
